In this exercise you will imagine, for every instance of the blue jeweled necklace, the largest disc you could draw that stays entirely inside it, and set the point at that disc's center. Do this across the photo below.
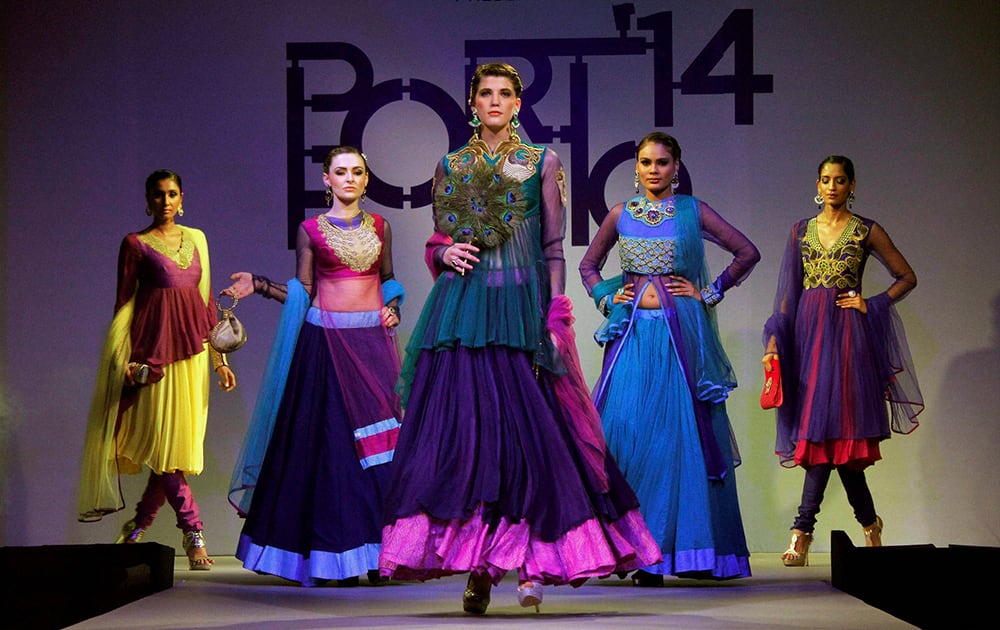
(650, 212)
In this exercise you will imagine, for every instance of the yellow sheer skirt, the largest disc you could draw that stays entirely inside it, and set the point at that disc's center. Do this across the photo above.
(165, 428)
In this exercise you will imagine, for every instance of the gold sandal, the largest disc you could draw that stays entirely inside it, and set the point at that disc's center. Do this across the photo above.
(873, 533)
(797, 554)
(194, 547)
(130, 534)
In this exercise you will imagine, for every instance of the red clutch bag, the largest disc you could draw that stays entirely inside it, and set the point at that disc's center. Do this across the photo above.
(771, 396)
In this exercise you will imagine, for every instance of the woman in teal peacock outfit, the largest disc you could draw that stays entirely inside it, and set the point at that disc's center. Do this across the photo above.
(666, 377)
(500, 463)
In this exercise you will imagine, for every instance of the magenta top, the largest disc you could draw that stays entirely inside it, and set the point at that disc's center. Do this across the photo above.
(331, 265)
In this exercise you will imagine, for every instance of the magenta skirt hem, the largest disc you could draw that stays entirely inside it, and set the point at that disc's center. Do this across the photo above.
(420, 547)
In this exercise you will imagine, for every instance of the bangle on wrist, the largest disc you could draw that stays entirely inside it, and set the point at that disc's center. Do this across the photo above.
(218, 360)
(710, 295)
(602, 306)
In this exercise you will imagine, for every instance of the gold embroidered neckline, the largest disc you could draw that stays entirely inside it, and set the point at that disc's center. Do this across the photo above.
(182, 256)
(358, 247)
(812, 233)
(503, 147)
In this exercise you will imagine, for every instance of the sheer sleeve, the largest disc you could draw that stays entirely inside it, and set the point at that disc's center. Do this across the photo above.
(780, 325)
(304, 261)
(262, 285)
(385, 270)
(745, 254)
(779, 337)
(128, 270)
(601, 245)
(888, 337)
(885, 251)
(553, 200)
(439, 241)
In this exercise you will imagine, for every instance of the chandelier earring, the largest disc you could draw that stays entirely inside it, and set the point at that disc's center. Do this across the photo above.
(515, 122)
(329, 197)
(850, 200)
(364, 195)
(180, 211)
(819, 200)
(637, 180)
(675, 182)
(149, 211)
(475, 122)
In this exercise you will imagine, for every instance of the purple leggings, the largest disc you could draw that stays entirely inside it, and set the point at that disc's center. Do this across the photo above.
(855, 485)
(174, 489)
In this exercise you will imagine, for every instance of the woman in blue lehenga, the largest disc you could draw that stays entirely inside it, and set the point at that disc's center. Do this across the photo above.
(665, 379)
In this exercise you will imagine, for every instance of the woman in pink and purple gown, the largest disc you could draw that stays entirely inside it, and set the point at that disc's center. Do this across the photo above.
(501, 465)
(314, 467)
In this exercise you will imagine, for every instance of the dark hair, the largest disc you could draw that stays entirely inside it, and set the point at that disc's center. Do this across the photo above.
(495, 69)
(342, 149)
(658, 137)
(158, 176)
(842, 161)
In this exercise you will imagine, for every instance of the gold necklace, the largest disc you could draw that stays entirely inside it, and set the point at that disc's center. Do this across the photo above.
(358, 248)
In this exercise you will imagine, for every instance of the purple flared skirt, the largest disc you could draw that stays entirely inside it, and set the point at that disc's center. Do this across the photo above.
(316, 513)
(486, 478)
(842, 413)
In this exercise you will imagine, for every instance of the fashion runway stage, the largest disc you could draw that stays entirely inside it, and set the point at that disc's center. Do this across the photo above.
(228, 596)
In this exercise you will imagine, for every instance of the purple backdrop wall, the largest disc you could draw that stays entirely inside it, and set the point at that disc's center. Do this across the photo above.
(98, 94)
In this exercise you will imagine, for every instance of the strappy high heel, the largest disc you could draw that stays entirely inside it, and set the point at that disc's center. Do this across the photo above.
(873, 533)
(193, 541)
(529, 594)
(477, 594)
(797, 554)
(130, 534)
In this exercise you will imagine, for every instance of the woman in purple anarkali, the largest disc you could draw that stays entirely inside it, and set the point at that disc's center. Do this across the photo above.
(500, 464)
(841, 355)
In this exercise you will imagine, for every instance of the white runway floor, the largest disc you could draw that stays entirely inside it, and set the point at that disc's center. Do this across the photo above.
(231, 597)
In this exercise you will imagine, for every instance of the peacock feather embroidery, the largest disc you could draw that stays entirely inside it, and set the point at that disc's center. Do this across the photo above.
(478, 205)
